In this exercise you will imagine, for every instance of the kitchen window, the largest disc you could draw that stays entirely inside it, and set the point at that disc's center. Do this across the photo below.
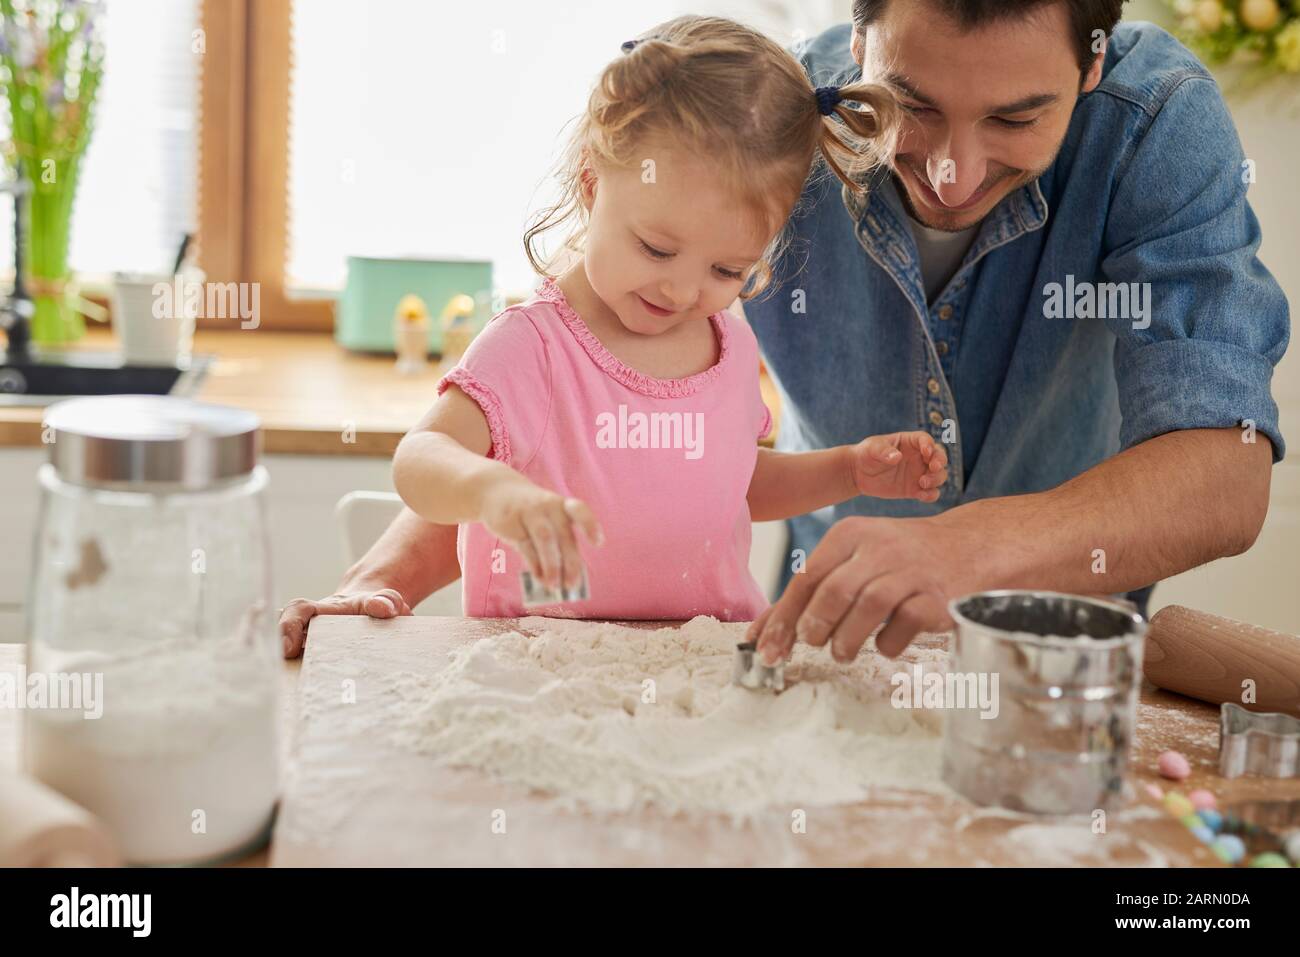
(291, 135)
(425, 129)
(136, 196)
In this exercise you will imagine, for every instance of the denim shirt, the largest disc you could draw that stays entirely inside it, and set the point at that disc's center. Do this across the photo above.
(1148, 188)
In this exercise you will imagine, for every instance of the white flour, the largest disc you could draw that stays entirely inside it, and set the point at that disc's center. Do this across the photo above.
(187, 727)
(620, 718)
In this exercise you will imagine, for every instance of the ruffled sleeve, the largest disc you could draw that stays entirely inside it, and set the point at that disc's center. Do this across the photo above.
(506, 372)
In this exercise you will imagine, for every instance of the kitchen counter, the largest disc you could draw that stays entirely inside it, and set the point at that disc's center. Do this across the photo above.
(313, 396)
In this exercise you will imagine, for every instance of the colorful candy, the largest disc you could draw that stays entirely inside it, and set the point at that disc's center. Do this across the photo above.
(1173, 765)
(1199, 813)
(1229, 847)
(1153, 791)
(1178, 805)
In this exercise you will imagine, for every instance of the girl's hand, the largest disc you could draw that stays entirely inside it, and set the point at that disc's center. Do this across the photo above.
(540, 526)
(900, 465)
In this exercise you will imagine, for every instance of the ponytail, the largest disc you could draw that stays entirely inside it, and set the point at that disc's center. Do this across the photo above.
(865, 137)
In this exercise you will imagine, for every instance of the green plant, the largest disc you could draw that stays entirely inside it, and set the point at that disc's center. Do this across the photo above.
(51, 64)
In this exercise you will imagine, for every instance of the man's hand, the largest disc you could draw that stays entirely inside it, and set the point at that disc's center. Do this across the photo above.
(297, 615)
(864, 572)
(1158, 509)
(900, 465)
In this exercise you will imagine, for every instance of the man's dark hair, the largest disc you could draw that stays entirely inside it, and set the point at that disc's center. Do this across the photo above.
(1086, 17)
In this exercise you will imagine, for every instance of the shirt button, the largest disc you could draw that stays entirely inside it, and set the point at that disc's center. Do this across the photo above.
(945, 311)
(933, 386)
(935, 418)
(941, 347)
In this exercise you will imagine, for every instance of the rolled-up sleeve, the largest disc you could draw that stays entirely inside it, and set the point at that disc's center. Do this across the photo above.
(1215, 323)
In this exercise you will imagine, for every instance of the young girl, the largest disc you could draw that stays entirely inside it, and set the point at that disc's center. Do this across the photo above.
(622, 401)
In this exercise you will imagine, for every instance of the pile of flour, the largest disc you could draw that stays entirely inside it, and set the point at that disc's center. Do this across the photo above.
(619, 718)
(187, 726)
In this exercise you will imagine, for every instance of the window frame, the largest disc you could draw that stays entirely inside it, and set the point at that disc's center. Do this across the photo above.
(244, 158)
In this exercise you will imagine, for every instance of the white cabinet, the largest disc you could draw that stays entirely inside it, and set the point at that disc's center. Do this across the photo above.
(19, 498)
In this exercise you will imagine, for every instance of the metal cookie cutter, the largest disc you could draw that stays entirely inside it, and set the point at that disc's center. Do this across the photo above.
(1262, 743)
(748, 670)
(536, 593)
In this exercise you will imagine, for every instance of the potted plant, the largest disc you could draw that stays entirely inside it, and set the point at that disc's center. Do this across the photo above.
(51, 64)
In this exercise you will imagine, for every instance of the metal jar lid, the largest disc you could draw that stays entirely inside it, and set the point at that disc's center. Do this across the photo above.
(150, 441)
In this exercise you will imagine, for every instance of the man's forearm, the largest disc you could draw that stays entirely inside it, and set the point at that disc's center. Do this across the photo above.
(1166, 505)
(413, 556)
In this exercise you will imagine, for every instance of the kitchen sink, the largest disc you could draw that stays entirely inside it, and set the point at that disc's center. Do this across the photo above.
(41, 378)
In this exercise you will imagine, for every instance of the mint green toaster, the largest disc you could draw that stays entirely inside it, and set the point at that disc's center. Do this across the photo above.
(364, 321)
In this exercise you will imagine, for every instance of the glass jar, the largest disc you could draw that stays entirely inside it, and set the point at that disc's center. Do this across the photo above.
(151, 593)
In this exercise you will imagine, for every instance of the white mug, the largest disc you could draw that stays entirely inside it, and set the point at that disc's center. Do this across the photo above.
(154, 319)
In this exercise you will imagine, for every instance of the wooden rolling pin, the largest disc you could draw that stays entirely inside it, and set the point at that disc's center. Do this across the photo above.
(1207, 657)
(41, 828)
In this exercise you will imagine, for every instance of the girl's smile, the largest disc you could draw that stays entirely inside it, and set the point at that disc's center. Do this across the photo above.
(654, 310)
(660, 255)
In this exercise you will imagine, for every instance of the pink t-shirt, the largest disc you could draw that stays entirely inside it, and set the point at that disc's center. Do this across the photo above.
(664, 463)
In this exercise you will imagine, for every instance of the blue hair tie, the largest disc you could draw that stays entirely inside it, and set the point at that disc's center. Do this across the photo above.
(827, 97)
(628, 45)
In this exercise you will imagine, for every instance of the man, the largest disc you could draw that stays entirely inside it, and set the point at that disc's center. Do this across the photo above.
(1056, 277)
(1060, 266)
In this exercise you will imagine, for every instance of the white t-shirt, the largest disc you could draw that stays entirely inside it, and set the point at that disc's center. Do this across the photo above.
(941, 253)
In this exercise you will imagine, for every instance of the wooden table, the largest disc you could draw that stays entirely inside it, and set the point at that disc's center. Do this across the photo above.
(353, 800)
(897, 828)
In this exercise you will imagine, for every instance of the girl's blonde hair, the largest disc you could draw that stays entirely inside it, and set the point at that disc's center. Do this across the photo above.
(728, 93)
